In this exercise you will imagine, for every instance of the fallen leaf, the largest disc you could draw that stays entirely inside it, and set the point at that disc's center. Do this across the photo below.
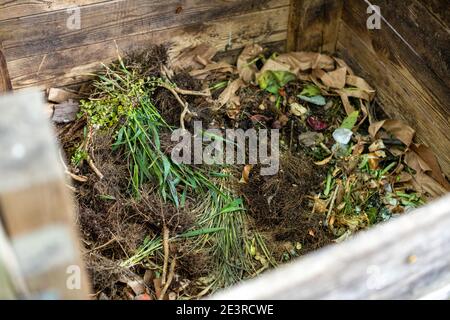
(430, 159)
(310, 91)
(316, 124)
(350, 121)
(272, 81)
(295, 62)
(324, 161)
(427, 184)
(377, 145)
(189, 57)
(358, 148)
(346, 102)
(214, 67)
(333, 79)
(421, 160)
(360, 83)
(374, 161)
(341, 63)
(246, 69)
(356, 93)
(228, 97)
(397, 128)
(317, 100)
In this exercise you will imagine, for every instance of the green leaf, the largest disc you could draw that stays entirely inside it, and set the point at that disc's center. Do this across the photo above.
(310, 90)
(317, 100)
(199, 232)
(272, 81)
(235, 205)
(350, 121)
(166, 165)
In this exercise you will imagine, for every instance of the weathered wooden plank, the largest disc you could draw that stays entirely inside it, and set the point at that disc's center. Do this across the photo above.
(406, 86)
(5, 80)
(405, 258)
(313, 25)
(10, 9)
(46, 33)
(36, 209)
(440, 9)
(423, 32)
(71, 65)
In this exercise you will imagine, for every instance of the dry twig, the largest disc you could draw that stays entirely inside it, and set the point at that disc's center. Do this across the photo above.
(176, 91)
(166, 253)
(169, 278)
(93, 167)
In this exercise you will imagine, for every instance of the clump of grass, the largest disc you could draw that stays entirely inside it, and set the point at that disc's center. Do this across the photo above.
(233, 250)
(124, 102)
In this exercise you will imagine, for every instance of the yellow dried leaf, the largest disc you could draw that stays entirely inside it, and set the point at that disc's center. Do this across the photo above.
(324, 161)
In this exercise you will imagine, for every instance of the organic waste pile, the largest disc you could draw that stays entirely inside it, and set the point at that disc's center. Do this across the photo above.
(153, 228)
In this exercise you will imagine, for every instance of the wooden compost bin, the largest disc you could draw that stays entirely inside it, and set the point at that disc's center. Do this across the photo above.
(407, 61)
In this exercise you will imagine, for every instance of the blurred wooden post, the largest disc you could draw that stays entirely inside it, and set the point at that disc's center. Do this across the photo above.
(40, 256)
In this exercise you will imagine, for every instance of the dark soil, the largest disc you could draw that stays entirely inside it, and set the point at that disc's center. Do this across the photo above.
(280, 205)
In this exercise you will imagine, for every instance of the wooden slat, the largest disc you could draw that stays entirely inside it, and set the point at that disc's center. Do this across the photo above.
(10, 9)
(313, 25)
(427, 36)
(440, 9)
(407, 88)
(72, 65)
(5, 81)
(46, 33)
(405, 258)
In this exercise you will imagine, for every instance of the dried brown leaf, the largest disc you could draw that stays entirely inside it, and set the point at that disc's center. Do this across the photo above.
(229, 94)
(423, 161)
(246, 69)
(295, 62)
(347, 105)
(333, 79)
(216, 67)
(194, 57)
(397, 128)
(324, 161)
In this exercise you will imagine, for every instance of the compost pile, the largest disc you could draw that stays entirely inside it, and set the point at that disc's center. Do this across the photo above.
(157, 229)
